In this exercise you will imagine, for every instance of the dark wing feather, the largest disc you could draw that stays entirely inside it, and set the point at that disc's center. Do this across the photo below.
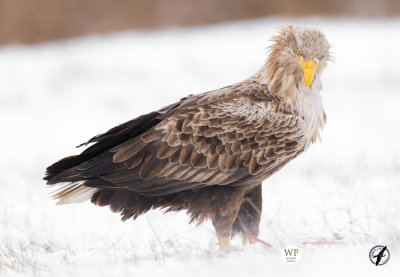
(224, 137)
(111, 138)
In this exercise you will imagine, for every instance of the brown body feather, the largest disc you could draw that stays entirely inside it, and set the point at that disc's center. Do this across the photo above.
(206, 154)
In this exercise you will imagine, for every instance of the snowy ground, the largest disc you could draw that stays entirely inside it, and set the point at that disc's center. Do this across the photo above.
(334, 202)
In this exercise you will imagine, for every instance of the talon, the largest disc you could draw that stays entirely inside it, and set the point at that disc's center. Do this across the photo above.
(253, 239)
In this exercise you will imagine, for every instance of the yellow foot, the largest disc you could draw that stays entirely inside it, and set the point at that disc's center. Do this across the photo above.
(223, 242)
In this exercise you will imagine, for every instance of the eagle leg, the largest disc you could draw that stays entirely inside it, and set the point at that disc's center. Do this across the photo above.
(249, 216)
(225, 212)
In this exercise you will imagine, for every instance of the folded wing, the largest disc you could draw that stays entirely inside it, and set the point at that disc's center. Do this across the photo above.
(224, 137)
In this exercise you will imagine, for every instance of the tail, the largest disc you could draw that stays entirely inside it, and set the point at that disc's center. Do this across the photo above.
(74, 192)
(75, 185)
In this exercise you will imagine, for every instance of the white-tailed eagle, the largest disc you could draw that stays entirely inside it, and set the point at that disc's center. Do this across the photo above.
(208, 153)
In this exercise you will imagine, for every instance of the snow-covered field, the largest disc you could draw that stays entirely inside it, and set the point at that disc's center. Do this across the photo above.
(334, 202)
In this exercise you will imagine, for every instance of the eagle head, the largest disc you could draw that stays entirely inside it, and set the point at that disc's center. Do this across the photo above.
(296, 58)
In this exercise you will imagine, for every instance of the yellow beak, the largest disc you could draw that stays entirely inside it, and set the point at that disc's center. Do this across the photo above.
(308, 69)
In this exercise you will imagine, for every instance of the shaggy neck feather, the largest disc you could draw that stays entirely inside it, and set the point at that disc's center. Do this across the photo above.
(287, 81)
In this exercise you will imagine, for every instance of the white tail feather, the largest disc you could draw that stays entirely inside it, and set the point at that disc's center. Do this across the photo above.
(74, 192)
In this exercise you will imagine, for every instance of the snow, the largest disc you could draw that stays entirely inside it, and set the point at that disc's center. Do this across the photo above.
(334, 202)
